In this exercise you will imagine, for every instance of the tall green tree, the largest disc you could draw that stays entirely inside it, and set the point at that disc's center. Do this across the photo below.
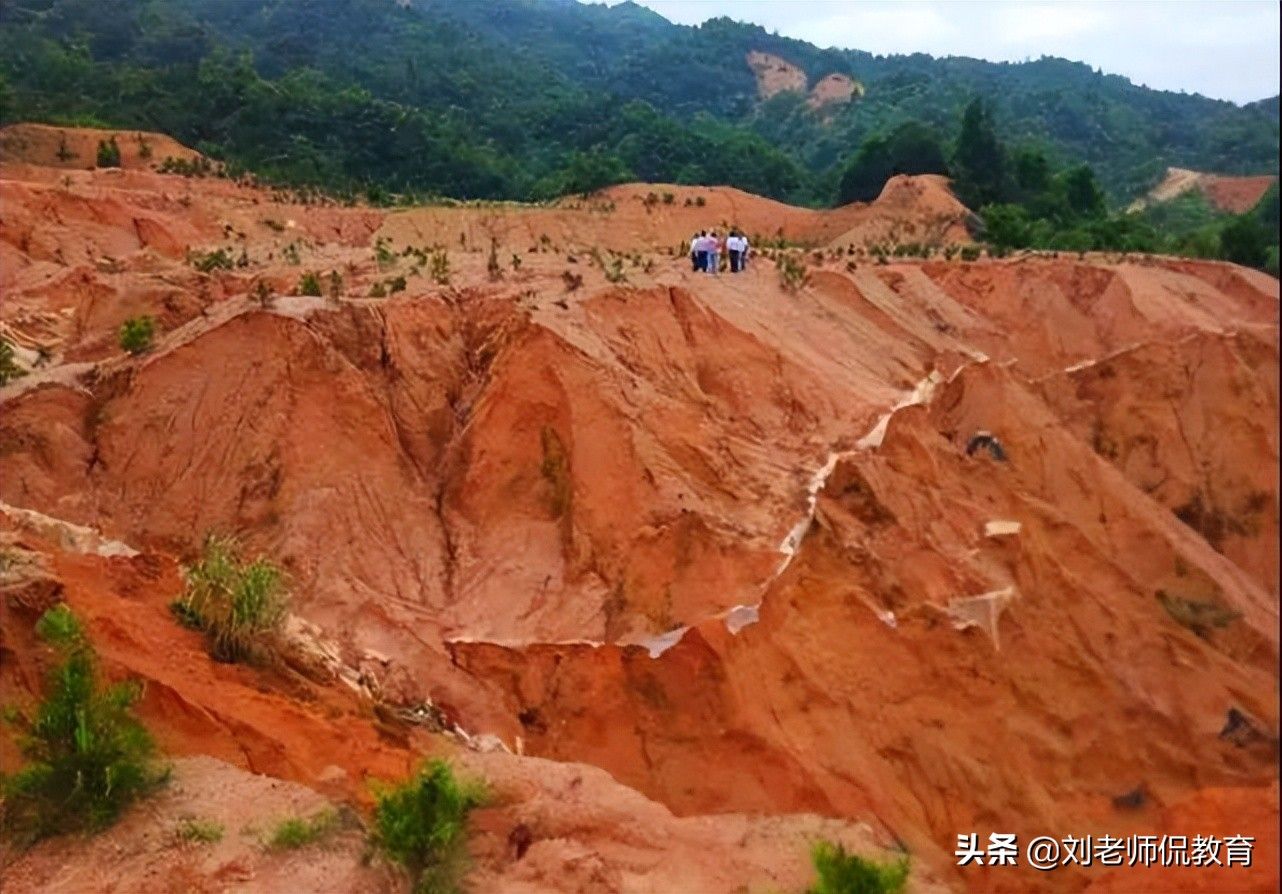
(1082, 193)
(979, 158)
(911, 148)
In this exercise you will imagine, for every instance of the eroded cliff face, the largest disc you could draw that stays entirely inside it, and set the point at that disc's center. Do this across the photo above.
(737, 546)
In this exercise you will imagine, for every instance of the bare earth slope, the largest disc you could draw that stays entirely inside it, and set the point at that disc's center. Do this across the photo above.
(1234, 195)
(720, 540)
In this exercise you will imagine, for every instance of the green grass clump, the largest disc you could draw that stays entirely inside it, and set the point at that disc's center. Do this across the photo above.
(239, 605)
(87, 756)
(9, 368)
(844, 873)
(198, 831)
(300, 831)
(136, 335)
(421, 824)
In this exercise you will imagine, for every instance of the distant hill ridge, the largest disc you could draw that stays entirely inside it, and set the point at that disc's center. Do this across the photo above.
(537, 97)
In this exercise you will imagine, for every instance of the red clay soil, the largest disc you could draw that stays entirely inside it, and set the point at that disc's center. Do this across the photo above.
(775, 74)
(1234, 195)
(77, 147)
(716, 537)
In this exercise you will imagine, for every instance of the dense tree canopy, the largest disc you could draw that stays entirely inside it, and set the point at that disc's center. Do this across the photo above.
(429, 97)
(911, 148)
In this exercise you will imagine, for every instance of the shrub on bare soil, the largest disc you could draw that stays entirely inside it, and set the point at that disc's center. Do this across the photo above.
(844, 873)
(87, 756)
(792, 272)
(136, 335)
(421, 824)
(239, 606)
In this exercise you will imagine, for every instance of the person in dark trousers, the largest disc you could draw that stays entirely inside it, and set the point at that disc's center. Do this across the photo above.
(695, 261)
(734, 249)
(701, 252)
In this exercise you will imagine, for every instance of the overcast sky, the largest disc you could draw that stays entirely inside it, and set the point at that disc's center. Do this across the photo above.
(1227, 49)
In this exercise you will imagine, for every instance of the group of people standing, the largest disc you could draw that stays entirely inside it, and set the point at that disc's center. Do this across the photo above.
(707, 246)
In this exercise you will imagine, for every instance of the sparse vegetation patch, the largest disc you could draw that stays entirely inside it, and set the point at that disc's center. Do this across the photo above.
(198, 831)
(792, 271)
(300, 831)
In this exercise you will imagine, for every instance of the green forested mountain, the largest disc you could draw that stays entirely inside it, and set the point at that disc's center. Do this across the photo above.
(532, 98)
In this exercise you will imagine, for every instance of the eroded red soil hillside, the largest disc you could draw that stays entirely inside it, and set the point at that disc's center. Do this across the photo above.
(734, 544)
(1222, 192)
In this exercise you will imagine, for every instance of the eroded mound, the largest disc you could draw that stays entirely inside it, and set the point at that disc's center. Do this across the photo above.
(47, 146)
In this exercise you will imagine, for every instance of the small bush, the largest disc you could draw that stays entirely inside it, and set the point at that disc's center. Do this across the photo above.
(298, 831)
(9, 369)
(573, 281)
(614, 271)
(1200, 616)
(792, 272)
(843, 873)
(970, 253)
(136, 335)
(240, 606)
(197, 167)
(108, 153)
(492, 266)
(378, 290)
(87, 756)
(421, 823)
(263, 294)
(439, 267)
(309, 284)
(196, 831)
(207, 262)
(383, 254)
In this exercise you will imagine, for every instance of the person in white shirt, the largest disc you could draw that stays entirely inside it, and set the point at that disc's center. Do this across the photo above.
(696, 263)
(702, 252)
(734, 247)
